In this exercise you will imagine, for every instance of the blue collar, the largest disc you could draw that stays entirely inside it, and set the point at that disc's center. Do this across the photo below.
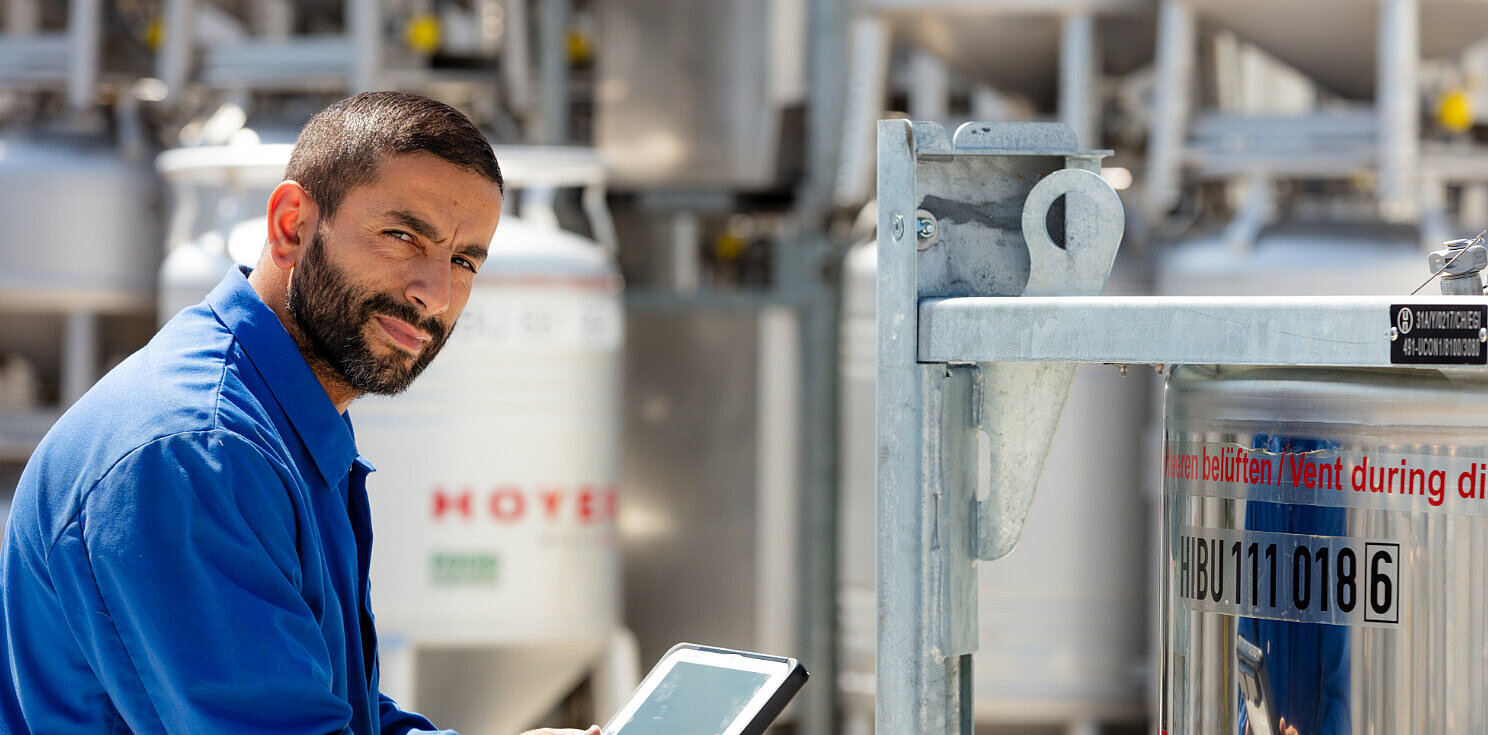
(325, 432)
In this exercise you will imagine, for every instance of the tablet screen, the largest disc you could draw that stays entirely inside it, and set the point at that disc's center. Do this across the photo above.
(707, 691)
(693, 698)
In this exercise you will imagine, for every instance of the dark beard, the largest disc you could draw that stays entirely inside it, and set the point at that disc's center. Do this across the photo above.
(331, 315)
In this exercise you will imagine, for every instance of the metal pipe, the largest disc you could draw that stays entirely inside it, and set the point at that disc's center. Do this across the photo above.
(83, 22)
(929, 87)
(364, 26)
(865, 89)
(175, 47)
(1170, 99)
(1395, 101)
(79, 355)
(1079, 93)
(686, 266)
(22, 17)
(271, 19)
(778, 482)
(826, 108)
(552, 125)
(601, 223)
(516, 65)
(804, 279)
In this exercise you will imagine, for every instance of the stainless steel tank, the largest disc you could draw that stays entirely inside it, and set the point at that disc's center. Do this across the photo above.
(1322, 538)
(100, 257)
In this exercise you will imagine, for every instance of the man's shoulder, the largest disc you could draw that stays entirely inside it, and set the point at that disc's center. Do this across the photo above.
(191, 377)
(190, 392)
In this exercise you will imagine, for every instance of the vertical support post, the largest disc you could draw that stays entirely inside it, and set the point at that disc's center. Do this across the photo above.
(22, 17)
(826, 88)
(83, 22)
(919, 687)
(929, 87)
(686, 270)
(778, 484)
(364, 26)
(516, 64)
(1170, 99)
(272, 19)
(552, 127)
(1395, 102)
(804, 277)
(79, 355)
(175, 46)
(1079, 91)
(866, 87)
(900, 585)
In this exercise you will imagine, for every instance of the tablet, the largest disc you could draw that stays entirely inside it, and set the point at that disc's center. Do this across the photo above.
(700, 690)
(1255, 687)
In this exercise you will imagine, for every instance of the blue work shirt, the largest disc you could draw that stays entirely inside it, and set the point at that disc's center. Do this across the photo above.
(187, 550)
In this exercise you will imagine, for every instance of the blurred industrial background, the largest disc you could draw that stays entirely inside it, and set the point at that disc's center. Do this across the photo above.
(675, 338)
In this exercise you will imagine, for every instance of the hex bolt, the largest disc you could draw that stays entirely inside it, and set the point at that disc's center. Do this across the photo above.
(925, 228)
(1460, 265)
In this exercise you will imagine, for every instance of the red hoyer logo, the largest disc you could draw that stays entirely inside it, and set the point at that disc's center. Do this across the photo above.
(585, 504)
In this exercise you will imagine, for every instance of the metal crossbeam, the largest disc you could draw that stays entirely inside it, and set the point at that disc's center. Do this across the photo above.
(1318, 331)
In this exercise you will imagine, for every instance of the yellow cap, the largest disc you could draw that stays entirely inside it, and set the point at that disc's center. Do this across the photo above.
(154, 34)
(422, 33)
(580, 47)
(1454, 112)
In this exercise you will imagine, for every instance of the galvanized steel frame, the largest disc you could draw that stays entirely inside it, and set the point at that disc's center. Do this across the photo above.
(949, 360)
(942, 200)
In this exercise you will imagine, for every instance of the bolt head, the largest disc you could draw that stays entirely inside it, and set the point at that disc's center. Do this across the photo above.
(1457, 260)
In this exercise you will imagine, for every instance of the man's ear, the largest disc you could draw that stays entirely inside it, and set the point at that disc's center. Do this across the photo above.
(293, 218)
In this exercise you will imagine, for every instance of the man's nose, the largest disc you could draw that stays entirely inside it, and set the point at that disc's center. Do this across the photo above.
(429, 285)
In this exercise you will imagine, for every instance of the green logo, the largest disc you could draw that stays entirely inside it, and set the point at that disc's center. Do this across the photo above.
(463, 568)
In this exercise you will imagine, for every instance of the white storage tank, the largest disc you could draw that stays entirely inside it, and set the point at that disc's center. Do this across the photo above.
(102, 256)
(219, 198)
(496, 494)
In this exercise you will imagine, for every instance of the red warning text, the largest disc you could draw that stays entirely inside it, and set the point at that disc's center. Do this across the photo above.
(512, 504)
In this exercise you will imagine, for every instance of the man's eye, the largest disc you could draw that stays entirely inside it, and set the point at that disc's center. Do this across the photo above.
(401, 235)
(464, 262)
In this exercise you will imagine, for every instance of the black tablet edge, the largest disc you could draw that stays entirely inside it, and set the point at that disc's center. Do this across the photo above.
(777, 702)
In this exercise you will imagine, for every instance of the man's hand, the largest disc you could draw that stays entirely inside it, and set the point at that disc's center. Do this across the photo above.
(593, 730)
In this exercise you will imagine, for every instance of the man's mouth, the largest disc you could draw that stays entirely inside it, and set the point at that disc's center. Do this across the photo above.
(404, 334)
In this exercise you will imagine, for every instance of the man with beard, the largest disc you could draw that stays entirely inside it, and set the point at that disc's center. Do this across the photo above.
(187, 551)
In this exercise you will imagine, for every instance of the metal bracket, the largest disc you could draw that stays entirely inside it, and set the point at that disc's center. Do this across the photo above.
(984, 197)
(1021, 402)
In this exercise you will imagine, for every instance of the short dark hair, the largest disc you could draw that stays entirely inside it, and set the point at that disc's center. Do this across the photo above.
(341, 146)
